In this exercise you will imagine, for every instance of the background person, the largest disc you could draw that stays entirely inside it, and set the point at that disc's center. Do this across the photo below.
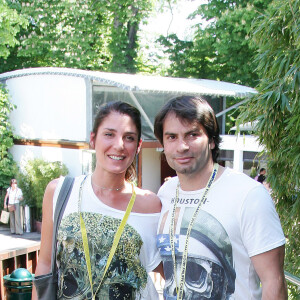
(14, 196)
(235, 240)
(262, 172)
(261, 178)
(116, 138)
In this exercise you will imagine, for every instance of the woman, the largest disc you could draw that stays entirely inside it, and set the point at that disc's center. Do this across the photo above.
(14, 195)
(116, 138)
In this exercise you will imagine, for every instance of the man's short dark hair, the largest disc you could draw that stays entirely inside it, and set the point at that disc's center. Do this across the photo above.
(190, 109)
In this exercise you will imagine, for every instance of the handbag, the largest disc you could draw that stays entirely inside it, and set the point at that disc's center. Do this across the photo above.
(46, 285)
(11, 207)
(4, 216)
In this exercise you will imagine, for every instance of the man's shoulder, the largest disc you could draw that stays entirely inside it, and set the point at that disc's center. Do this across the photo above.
(232, 179)
(237, 176)
(168, 185)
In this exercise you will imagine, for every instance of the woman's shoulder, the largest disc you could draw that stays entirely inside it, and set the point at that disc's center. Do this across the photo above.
(151, 203)
(51, 190)
(51, 187)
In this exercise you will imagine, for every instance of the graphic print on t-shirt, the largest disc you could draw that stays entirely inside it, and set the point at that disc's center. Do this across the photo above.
(126, 276)
(210, 272)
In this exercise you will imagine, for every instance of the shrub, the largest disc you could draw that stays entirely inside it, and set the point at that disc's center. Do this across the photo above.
(8, 167)
(34, 180)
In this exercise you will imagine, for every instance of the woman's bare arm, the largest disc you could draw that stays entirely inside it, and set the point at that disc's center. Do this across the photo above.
(4, 205)
(44, 262)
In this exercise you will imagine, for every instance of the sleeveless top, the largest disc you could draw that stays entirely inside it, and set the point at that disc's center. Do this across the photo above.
(136, 254)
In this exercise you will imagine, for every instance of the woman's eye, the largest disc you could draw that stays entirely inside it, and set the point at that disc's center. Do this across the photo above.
(130, 138)
(108, 134)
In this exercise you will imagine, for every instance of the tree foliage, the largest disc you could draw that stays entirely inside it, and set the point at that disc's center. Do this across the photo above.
(34, 179)
(10, 24)
(123, 47)
(94, 35)
(221, 50)
(7, 164)
(277, 110)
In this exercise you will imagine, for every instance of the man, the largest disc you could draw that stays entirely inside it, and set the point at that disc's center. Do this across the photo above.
(219, 234)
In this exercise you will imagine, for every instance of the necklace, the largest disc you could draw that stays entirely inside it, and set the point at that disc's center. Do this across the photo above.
(180, 286)
(106, 188)
(113, 249)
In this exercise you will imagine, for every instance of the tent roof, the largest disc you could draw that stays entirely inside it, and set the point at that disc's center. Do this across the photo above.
(249, 126)
(144, 83)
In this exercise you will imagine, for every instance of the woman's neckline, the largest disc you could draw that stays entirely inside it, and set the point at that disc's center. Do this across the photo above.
(90, 189)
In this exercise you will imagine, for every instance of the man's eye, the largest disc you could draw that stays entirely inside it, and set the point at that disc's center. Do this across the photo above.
(194, 134)
(108, 134)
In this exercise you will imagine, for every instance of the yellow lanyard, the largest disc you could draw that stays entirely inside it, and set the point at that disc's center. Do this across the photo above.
(179, 290)
(115, 241)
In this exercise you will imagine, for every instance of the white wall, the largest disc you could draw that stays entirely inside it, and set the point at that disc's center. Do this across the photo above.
(72, 158)
(150, 169)
(49, 107)
(239, 143)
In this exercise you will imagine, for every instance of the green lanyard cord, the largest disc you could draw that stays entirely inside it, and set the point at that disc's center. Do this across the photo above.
(179, 290)
(115, 241)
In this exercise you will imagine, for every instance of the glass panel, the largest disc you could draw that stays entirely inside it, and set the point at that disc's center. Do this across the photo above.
(88, 161)
(150, 103)
(253, 161)
(226, 155)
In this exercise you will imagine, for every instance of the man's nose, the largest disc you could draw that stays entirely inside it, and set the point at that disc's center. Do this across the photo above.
(182, 145)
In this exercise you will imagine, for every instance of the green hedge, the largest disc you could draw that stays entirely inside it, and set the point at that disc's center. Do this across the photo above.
(34, 179)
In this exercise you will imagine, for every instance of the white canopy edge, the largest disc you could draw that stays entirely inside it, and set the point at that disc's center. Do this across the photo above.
(249, 126)
(144, 83)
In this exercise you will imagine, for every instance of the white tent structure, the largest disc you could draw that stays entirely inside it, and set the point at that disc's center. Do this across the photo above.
(144, 83)
(56, 106)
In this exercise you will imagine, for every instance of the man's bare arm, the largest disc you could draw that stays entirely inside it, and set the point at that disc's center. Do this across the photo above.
(269, 268)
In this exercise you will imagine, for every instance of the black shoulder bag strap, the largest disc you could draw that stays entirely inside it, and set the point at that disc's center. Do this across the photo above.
(61, 203)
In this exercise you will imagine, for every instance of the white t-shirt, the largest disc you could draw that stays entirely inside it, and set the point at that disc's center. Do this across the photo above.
(14, 195)
(135, 256)
(238, 221)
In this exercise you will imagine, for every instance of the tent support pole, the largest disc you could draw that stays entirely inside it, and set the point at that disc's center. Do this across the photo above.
(141, 110)
(224, 116)
(231, 107)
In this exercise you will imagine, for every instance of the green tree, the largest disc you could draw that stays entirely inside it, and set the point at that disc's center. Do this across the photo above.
(93, 35)
(34, 178)
(10, 24)
(221, 50)
(277, 110)
(124, 43)
(61, 34)
(7, 164)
